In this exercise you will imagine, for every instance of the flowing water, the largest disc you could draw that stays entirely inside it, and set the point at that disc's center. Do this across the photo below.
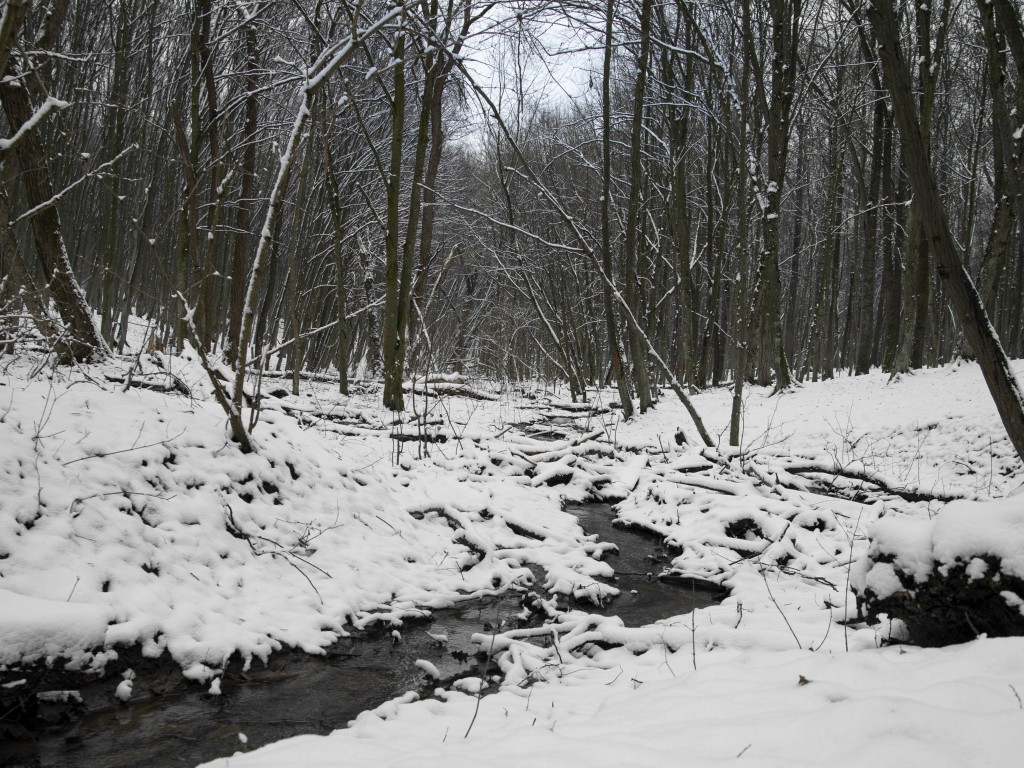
(641, 558)
(172, 722)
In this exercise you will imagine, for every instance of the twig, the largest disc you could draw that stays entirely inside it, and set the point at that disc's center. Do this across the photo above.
(125, 450)
(47, 204)
(304, 575)
(177, 385)
(138, 359)
(846, 598)
(389, 525)
(884, 485)
(80, 499)
(483, 677)
(781, 612)
(693, 626)
(828, 628)
(612, 681)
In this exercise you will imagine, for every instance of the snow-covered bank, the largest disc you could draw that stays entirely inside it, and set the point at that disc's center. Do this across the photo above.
(892, 706)
(937, 429)
(127, 517)
(771, 675)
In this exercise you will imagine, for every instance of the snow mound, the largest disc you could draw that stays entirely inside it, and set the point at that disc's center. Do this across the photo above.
(951, 577)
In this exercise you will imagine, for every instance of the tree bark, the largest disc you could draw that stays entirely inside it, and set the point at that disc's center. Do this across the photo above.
(630, 278)
(392, 332)
(243, 211)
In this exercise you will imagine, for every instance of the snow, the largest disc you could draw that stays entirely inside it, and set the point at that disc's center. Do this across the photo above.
(890, 706)
(123, 692)
(429, 669)
(51, 104)
(130, 518)
(962, 532)
(958, 535)
(39, 626)
(472, 685)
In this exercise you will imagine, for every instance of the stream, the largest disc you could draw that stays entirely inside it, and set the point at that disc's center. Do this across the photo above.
(643, 598)
(172, 722)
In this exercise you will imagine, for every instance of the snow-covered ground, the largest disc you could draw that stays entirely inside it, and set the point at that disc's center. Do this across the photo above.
(128, 518)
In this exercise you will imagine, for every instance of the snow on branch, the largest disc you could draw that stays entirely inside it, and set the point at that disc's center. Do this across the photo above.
(52, 104)
(47, 204)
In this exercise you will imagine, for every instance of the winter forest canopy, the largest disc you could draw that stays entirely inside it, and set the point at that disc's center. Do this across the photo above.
(717, 192)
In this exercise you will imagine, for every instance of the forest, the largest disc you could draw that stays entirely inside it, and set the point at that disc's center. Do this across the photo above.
(334, 187)
(319, 318)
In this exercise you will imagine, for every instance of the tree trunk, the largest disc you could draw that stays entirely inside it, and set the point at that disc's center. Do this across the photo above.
(866, 297)
(630, 277)
(614, 350)
(84, 341)
(244, 212)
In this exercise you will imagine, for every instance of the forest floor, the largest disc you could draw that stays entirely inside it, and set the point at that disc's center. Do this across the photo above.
(128, 520)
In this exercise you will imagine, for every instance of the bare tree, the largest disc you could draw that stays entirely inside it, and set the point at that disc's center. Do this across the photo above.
(959, 288)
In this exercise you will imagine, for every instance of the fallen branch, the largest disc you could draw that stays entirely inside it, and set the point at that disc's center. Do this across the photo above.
(175, 385)
(867, 476)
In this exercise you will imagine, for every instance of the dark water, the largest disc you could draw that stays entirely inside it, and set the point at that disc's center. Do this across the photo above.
(171, 722)
(643, 598)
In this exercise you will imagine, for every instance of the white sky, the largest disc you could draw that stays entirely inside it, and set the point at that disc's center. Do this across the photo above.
(558, 63)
